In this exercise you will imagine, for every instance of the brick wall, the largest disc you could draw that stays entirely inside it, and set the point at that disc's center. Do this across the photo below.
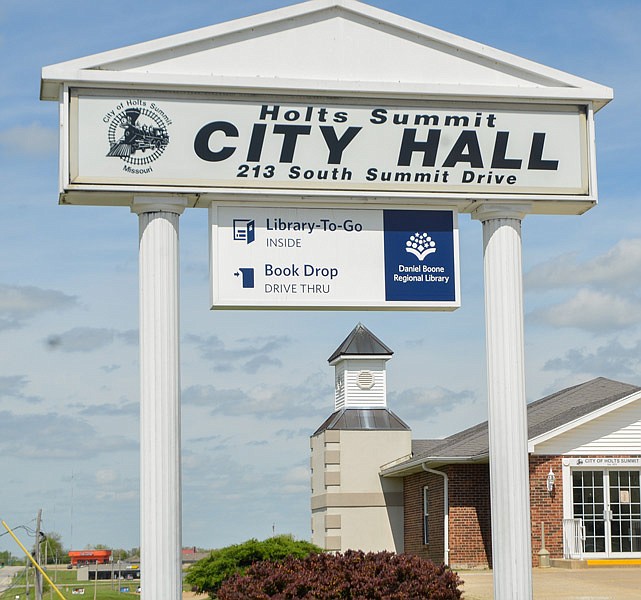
(470, 529)
(469, 515)
(469, 512)
(546, 507)
(413, 515)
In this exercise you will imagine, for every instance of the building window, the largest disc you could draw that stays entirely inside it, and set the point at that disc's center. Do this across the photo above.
(426, 521)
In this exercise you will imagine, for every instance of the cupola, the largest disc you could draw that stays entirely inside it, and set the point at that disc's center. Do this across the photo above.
(360, 377)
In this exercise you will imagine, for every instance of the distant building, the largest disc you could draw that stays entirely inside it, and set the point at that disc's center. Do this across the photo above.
(193, 555)
(89, 557)
(375, 488)
(116, 570)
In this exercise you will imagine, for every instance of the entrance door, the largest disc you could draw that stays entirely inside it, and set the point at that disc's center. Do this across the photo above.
(609, 503)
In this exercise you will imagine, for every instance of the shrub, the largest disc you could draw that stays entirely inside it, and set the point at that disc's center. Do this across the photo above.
(207, 575)
(350, 576)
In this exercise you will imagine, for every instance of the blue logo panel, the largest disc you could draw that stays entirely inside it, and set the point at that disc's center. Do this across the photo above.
(419, 255)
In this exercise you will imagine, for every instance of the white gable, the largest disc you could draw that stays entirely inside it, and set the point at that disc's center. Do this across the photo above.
(325, 46)
(615, 432)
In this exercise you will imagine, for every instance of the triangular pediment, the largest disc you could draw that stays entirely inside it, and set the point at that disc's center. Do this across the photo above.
(340, 46)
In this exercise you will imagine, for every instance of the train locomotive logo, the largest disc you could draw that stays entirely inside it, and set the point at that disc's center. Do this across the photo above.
(142, 131)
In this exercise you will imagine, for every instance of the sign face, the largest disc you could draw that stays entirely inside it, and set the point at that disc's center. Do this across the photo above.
(333, 258)
(188, 142)
(601, 462)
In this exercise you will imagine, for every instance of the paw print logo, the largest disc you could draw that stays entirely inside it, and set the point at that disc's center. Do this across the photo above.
(420, 245)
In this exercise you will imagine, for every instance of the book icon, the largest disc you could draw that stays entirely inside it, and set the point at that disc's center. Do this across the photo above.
(244, 230)
(247, 275)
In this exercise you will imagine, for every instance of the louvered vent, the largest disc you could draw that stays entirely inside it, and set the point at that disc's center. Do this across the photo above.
(365, 380)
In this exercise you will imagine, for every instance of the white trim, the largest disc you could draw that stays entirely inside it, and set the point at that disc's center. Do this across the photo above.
(604, 410)
(103, 66)
(354, 357)
(426, 513)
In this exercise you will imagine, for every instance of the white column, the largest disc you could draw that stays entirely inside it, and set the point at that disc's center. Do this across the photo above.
(507, 415)
(160, 480)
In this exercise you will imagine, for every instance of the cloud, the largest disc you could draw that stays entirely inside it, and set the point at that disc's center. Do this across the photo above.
(296, 480)
(255, 364)
(593, 311)
(21, 303)
(106, 476)
(220, 400)
(104, 410)
(309, 398)
(12, 387)
(109, 486)
(611, 360)
(130, 337)
(618, 268)
(250, 355)
(205, 439)
(59, 437)
(86, 339)
(80, 339)
(30, 140)
(422, 402)
(290, 434)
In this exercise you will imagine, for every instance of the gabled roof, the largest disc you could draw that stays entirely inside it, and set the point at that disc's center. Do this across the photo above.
(558, 411)
(324, 47)
(363, 419)
(360, 342)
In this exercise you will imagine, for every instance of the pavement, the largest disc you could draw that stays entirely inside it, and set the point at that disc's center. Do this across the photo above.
(593, 583)
(6, 577)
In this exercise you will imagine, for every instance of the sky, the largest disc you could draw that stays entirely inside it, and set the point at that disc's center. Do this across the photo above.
(255, 384)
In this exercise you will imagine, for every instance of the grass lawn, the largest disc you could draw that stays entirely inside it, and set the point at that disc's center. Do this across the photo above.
(67, 581)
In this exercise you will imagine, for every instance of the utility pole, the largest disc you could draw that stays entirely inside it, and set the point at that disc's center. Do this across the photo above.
(38, 576)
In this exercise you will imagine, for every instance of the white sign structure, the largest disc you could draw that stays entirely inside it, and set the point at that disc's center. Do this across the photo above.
(333, 258)
(377, 111)
(198, 142)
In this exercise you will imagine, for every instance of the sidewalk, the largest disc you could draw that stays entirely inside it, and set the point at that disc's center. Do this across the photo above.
(593, 583)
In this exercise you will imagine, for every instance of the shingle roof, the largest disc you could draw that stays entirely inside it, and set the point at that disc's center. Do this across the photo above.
(424, 446)
(543, 415)
(361, 341)
(359, 419)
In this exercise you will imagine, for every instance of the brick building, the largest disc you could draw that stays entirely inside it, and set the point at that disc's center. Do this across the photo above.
(584, 447)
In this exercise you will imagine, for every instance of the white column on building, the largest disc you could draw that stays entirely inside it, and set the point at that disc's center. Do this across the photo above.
(160, 474)
(507, 414)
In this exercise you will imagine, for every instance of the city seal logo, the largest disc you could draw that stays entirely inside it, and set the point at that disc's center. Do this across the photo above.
(138, 135)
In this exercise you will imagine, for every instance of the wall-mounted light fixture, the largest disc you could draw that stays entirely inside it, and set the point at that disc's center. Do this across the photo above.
(550, 481)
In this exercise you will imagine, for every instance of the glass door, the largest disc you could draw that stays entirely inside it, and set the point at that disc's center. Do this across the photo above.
(589, 506)
(625, 511)
(609, 504)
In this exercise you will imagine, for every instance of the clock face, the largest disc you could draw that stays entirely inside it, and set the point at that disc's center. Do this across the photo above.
(340, 382)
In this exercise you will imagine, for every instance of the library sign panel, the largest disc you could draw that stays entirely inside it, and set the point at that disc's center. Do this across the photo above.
(187, 142)
(333, 258)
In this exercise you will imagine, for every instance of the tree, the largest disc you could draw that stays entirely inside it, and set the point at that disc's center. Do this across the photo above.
(207, 575)
(51, 547)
